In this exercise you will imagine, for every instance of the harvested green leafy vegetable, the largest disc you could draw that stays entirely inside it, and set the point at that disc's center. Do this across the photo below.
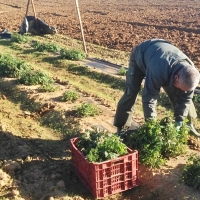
(157, 141)
(101, 146)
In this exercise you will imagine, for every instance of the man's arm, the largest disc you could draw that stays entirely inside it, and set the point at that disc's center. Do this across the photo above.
(183, 101)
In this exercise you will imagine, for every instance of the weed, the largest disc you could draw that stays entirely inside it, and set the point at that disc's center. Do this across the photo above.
(35, 77)
(122, 71)
(87, 109)
(46, 47)
(72, 54)
(47, 87)
(68, 127)
(70, 96)
(18, 38)
(12, 67)
(113, 82)
(191, 172)
(196, 98)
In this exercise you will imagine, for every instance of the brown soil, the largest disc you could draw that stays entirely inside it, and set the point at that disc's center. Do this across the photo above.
(35, 163)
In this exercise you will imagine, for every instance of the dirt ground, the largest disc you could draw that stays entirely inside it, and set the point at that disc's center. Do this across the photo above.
(33, 167)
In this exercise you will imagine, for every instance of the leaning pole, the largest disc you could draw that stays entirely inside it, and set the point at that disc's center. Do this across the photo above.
(82, 33)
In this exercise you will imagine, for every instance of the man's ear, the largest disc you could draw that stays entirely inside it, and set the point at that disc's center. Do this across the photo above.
(175, 77)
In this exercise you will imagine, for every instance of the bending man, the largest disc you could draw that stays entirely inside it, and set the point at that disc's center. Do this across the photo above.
(162, 65)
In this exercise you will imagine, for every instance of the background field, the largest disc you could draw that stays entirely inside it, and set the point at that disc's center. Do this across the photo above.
(115, 24)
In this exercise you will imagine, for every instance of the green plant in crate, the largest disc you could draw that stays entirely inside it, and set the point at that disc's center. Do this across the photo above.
(72, 54)
(87, 109)
(191, 171)
(101, 146)
(70, 96)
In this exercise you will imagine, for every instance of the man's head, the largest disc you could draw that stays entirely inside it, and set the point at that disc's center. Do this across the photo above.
(187, 78)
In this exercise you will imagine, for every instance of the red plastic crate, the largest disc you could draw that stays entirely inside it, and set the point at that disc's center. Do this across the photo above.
(109, 177)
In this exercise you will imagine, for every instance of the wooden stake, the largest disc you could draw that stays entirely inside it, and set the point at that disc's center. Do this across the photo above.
(79, 16)
(27, 8)
(33, 8)
(35, 16)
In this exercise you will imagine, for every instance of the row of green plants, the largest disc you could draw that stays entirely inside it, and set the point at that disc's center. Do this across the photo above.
(50, 47)
(53, 47)
(16, 68)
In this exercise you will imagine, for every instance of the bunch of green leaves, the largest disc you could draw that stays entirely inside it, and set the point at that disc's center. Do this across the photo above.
(196, 98)
(12, 67)
(191, 171)
(87, 109)
(18, 38)
(46, 47)
(157, 141)
(47, 87)
(122, 71)
(174, 139)
(72, 54)
(70, 96)
(101, 146)
(32, 77)
(147, 139)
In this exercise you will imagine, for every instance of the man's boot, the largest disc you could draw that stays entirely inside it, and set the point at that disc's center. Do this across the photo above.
(121, 131)
(193, 131)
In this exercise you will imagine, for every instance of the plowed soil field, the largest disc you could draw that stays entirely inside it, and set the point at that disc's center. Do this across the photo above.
(33, 167)
(113, 23)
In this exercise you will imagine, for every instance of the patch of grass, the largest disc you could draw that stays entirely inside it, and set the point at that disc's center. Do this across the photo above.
(47, 87)
(32, 77)
(87, 109)
(112, 81)
(18, 38)
(70, 96)
(196, 98)
(46, 47)
(191, 172)
(95, 51)
(12, 67)
(68, 127)
(122, 71)
(72, 54)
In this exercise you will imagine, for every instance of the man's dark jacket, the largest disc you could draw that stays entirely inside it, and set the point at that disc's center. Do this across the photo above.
(160, 60)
